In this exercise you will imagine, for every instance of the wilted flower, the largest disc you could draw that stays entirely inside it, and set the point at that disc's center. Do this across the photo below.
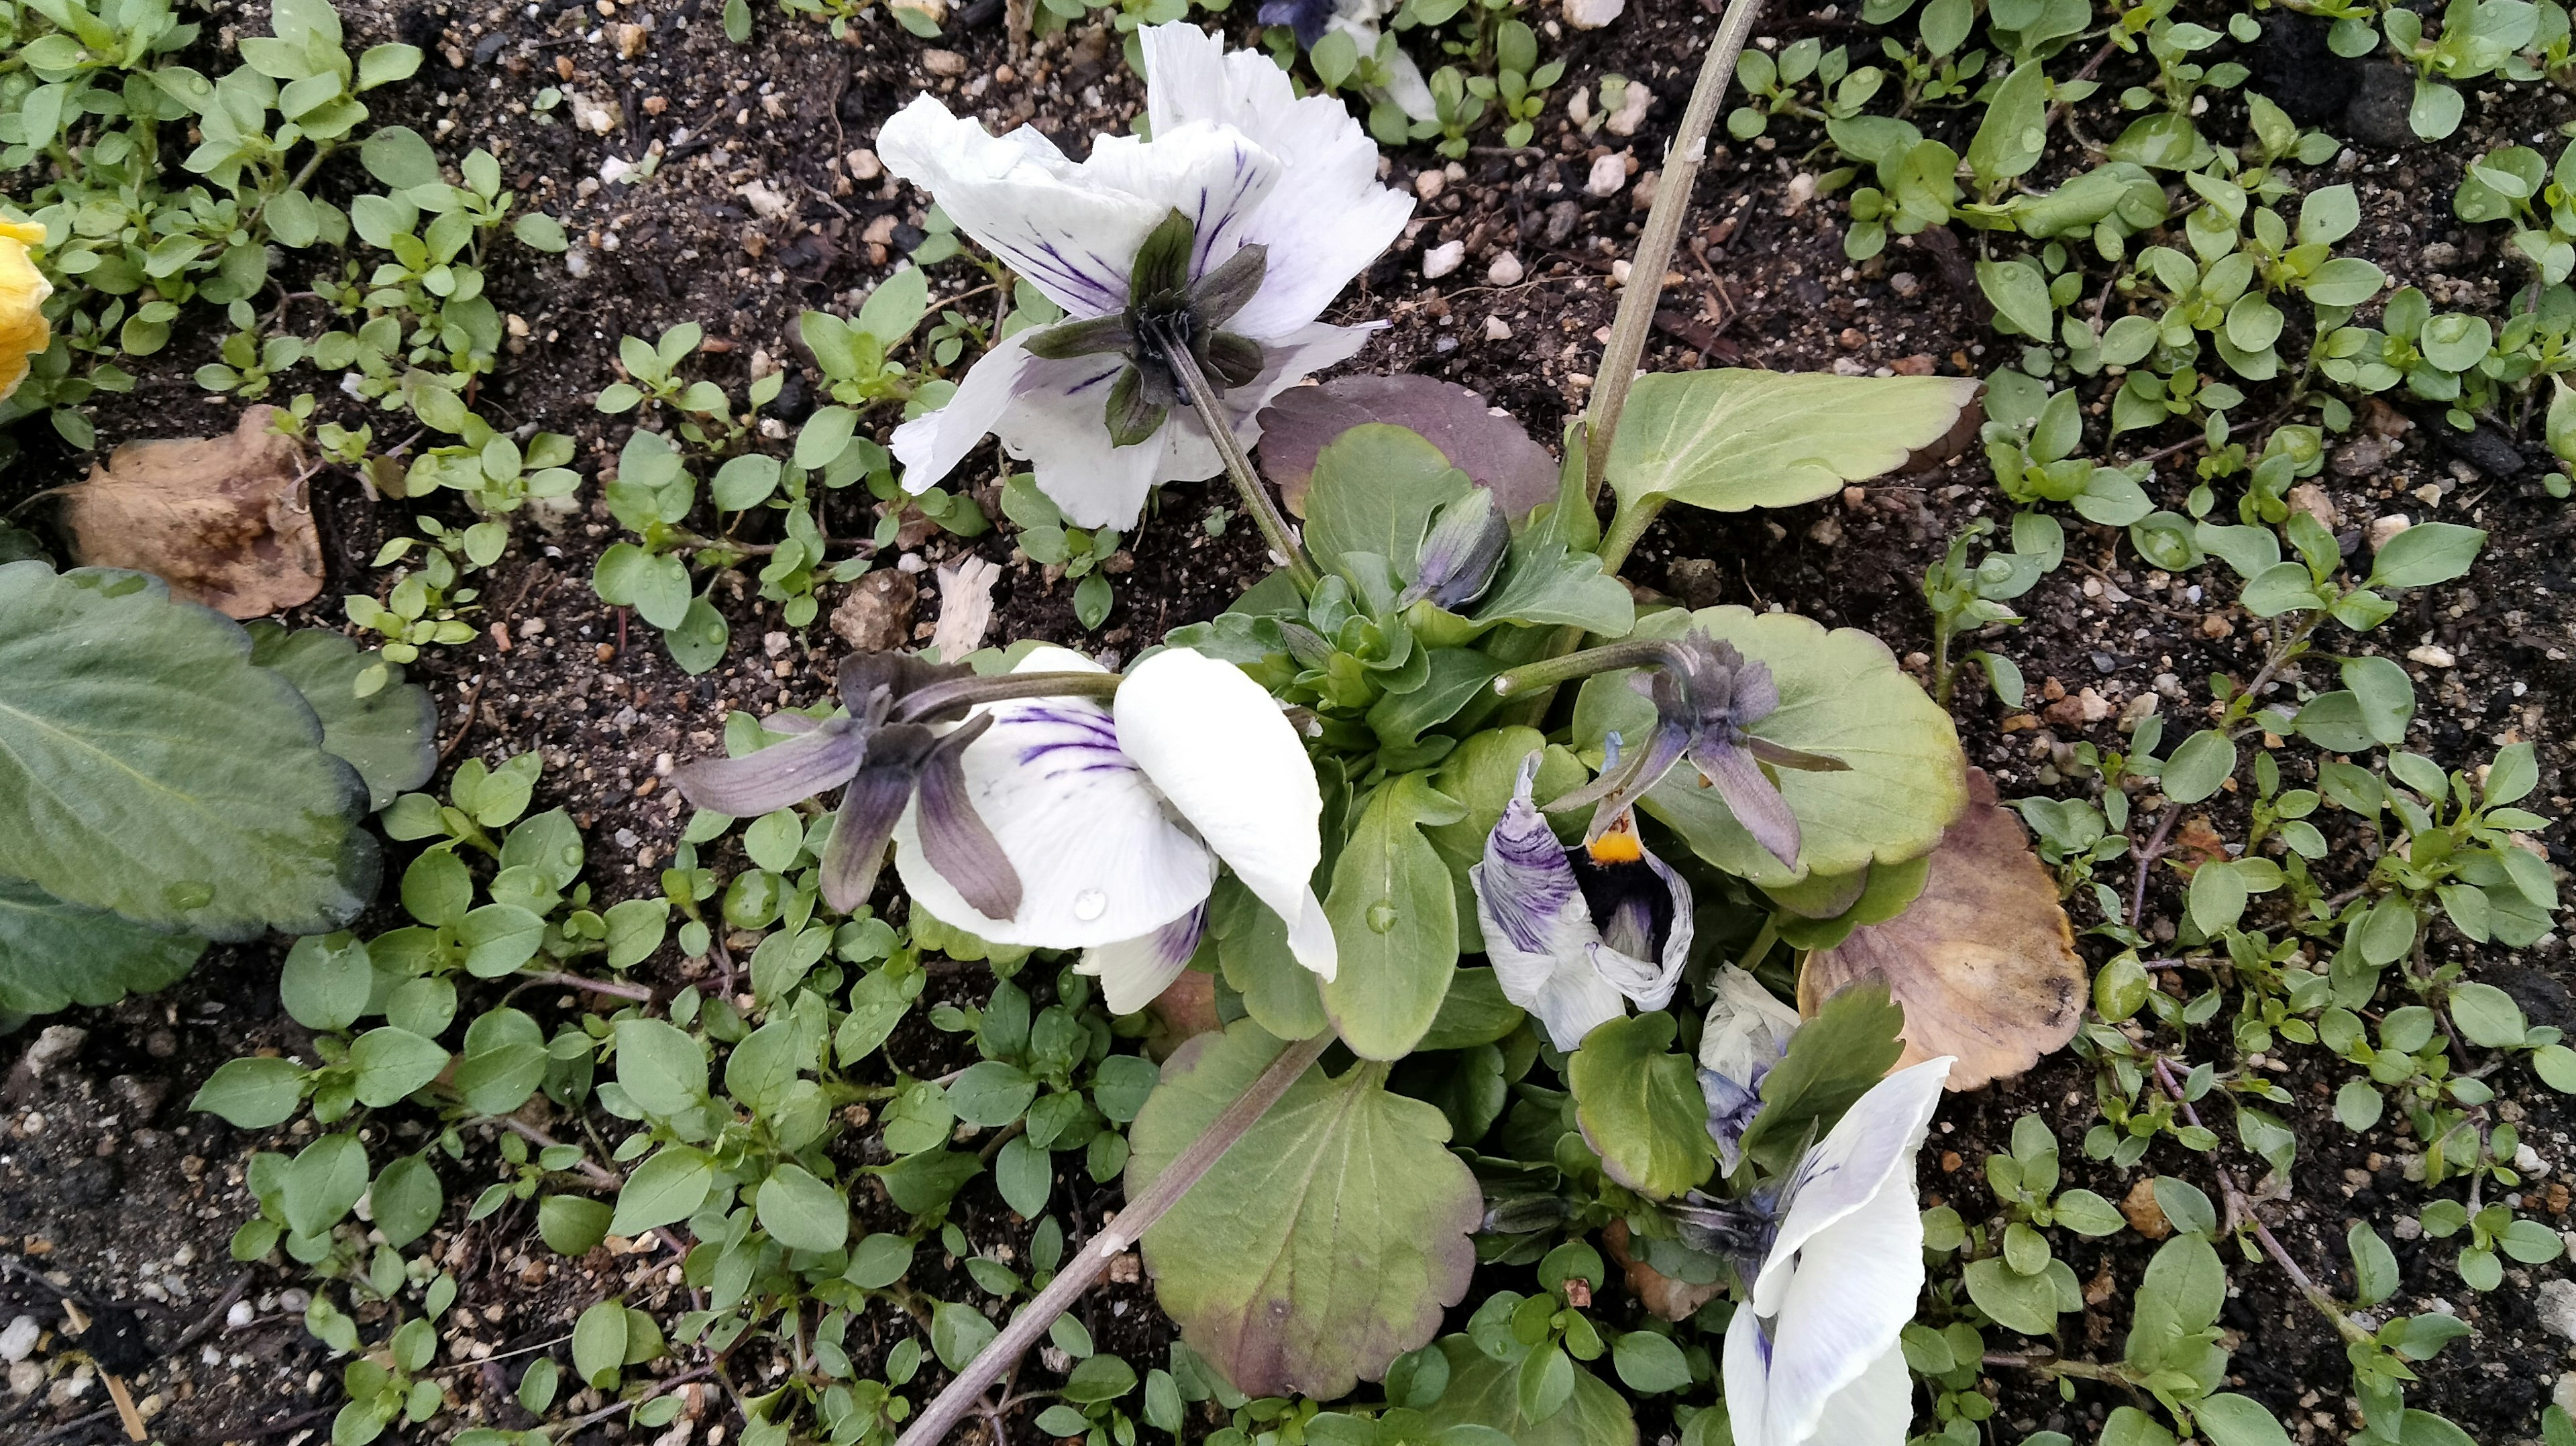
(1224, 236)
(1571, 931)
(1746, 1033)
(1812, 1355)
(23, 289)
(883, 762)
(1114, 819)
(1461, 554)
(1706, 696)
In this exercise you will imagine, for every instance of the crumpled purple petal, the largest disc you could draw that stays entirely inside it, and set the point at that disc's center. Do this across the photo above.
(1751, 796)
(776, 776)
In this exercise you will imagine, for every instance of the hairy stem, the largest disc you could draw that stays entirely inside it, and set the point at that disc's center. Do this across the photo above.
(1547, 672)
(1247, 483)
(1092, 1261)
(1655, 248)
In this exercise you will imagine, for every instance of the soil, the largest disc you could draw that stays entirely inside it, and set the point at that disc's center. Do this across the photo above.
(114, 1197)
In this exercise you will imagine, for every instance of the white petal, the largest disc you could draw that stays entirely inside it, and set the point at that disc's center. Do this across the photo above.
(1866, 1159)
(932, 444)
(1059, 423)
(1651, 984)
(1846, 1300)
(1213, 174)
(1329, 218)
(1074, 240)
(1133, 971)
(1219, 749)
(1748, 1027)
(1873, 1410)
(1747, 1372)
(1098, 860)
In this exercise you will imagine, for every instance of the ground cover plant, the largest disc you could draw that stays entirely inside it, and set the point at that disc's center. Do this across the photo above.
(1941, 827)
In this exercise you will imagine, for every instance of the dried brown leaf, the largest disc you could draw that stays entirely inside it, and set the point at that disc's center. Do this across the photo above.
(1983, 960)
(224, 520)
(1672, 1299)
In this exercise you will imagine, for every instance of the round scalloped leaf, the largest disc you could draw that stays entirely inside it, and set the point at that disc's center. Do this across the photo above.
(1486, 1392)
(167, 778)
(1842, 695)
(54, 955)
(1326, 1242)
(390, 735)
(1733, 439)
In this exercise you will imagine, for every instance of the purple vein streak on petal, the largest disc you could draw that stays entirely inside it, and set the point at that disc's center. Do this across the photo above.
(1528, 882)
(1095, 379)
(1210, 232)
(1082, 740)
(1073, 276)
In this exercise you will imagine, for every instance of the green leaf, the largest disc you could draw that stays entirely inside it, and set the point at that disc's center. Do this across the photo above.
(399, 157)
(252, 1093)
(2019, 294)
(801, 1212)
(667, 1188)
(661, 1068)
(2010, 139)
(2018, 1302)
(1650, 1363)
(2086, 1213)
(2228, 1419)
(958, 1334)
(2487, 1016)
(2426, 553)
(1024, 1172)
(391, 1063)
(1640, 1108)
(166, 777)
(1373, 491)
(1395, 916)
(2199, 767)
(390, 735)
(326, 982)
(1484, 1392)
(1731, 439)
(1841, 695)
(406, 1200)
(1326, 1242)
(599, 1343)
(322, 1182)
(991, 1093)
(54, 955)
(572, 1225)
(1832, 1060)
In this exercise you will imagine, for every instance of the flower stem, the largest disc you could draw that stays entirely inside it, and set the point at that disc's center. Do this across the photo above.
(938, 698)
(1547, 672)
(1092, 1261)
(1247, 483)
(1655, 248)
(1627, 525)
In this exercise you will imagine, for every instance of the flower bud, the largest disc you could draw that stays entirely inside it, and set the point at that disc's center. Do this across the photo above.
(1462, 554)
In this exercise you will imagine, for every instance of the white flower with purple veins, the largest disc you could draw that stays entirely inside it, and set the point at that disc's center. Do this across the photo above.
(1747, 1032)
(1812, 1355)
(1114, 819)
(1574, 932)
(1223, 238)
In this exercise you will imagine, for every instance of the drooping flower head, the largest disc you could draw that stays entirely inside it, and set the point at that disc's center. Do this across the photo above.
(1812, 1354)
(1747, 1032)
(1312, 20)
(1574, 932)
(1225, 236)
(1115, 819)
(883, 762)
(23, 289)
(1461, 553)
(1707, 697)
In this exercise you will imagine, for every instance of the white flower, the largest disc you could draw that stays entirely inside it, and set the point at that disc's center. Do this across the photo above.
(1747, 1032)
(1245, 162)
(1571, 932)
(1813, 1355)
(1116, 818)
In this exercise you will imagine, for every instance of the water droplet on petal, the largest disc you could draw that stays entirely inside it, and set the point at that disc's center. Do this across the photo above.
(1381, 916)
(1090, 904)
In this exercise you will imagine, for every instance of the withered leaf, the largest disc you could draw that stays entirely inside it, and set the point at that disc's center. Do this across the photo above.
(224, 520)
(1983, 960)
(1494, 450)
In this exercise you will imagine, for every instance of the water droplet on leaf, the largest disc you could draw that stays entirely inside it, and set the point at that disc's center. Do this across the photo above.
(1381, 916)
